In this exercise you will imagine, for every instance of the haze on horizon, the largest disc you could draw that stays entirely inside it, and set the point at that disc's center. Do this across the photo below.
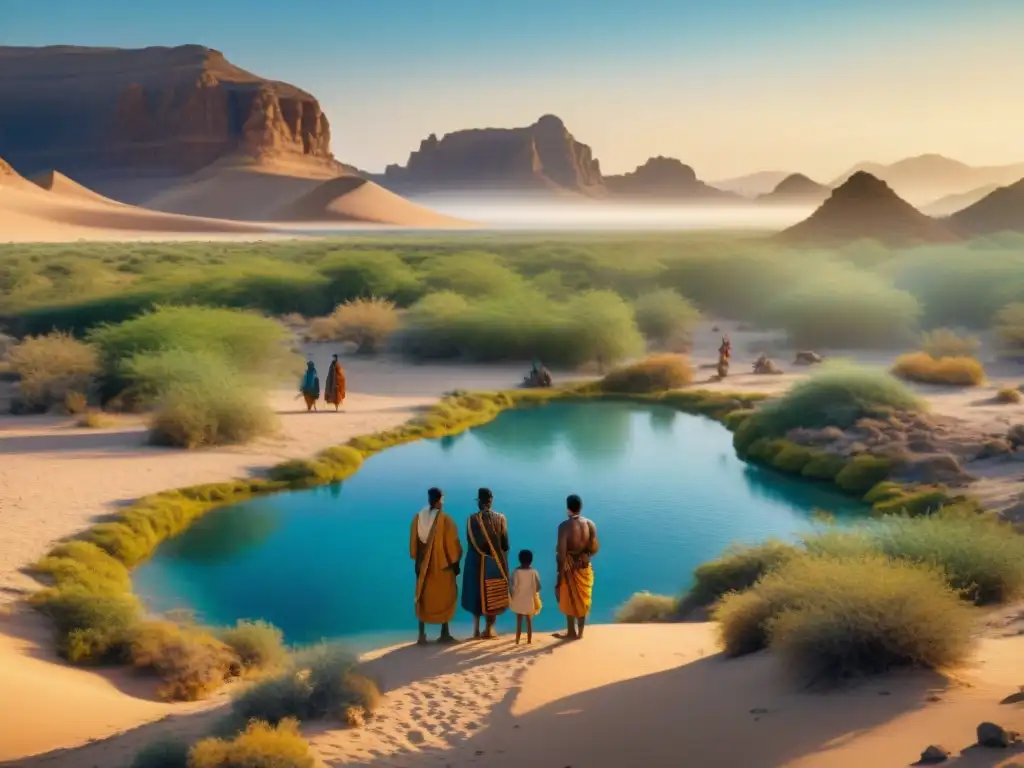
(729, 87)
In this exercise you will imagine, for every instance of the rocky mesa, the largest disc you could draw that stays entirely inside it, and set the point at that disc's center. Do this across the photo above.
(148, 111)
(664, 178)
(542, 157)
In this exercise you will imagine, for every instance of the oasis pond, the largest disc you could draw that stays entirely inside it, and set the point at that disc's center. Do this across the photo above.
(665, 489)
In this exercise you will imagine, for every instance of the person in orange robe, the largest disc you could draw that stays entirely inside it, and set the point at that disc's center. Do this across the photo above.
(334, 391)
(435, 547)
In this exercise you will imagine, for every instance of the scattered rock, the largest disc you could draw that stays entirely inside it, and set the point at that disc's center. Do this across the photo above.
(992, 735)
(807, 357)
(933, 753)
(764, 365)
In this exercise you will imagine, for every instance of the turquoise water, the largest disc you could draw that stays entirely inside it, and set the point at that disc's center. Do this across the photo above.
(665, 489)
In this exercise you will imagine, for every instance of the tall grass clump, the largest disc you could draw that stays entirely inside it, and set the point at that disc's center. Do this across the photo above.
(666, 319)
(190, 661)
(323, 682)
(367, 323)
(260, 746)
(645, 608)
(942, 342)
(52, 367)
(923, 368)
(835, 618)
(657, 373)
(257, 644)
(738, 568)
(844, 310)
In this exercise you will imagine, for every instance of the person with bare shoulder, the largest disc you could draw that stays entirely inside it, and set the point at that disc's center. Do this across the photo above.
(574, 587)
(435, 547)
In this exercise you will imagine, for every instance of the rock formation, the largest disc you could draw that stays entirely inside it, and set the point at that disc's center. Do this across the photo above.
(999, 211)
(663, 178)
(539, 157)
(796, 188)
(148, 111)
(864, 207)
(752, 184)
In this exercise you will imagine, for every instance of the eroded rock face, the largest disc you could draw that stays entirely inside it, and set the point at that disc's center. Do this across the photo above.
(664, 177)
(542, 156)
(150, 110)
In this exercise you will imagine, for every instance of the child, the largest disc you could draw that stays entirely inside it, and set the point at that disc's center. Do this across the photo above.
(525, 595)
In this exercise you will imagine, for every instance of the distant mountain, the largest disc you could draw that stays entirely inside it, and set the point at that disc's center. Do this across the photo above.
(928, 177)
(540, 157)
(950, 204)
(796, 188)
(999, 211)
(753, 184)
(664, 178)
(865, 207)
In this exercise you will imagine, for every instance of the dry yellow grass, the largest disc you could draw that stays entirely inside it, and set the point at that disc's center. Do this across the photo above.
(1009, 395)
(943, 342)
(367, 323)
(53, 366)
(926, 369)
(657, 373)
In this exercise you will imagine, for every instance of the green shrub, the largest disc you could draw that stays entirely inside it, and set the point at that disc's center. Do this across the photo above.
(83, 564)
(863, 472)
(259, 746)
(1009, 396)
(738, 568)
(792, 458)
(943, 342)
(91, 627)
(367, 323)
(325, 681)
(167, 753)
(362, 275)
(190, 662)
(473, 275)
(925, 369)
(657, 373)
(53, 368)
(845, 310)
(823, 466)
(334, 464)
(645, 608)
(257, 644)
(666, 318)
(833, 618)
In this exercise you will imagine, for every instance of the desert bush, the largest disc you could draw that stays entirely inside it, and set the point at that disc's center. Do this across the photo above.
(83, 564)
(845, 310)
(324, 681)
(360, 275)
(943, 342)
(257, 644)
(190, 662)
(863, 472)
(657, 373)
(666, 318)
(214, 411)
(166, 753)
(1009, 326)
(473, 275)
(52, 367)
(645, 608)
(921, 367)
(833, 618)
(93, 419)
(1008, 395)
(259, 746)
(738, 568)
(91, 627)
(368, 323)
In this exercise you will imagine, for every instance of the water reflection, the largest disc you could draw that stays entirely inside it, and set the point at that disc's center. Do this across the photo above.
(223, 535)
(663, 419)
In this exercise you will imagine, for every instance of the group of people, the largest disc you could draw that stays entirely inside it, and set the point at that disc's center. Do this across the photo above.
(334, 391)
(488, 589)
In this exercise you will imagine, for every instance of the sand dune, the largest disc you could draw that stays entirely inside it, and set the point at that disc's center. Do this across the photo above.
(57, 209)
(354, 199)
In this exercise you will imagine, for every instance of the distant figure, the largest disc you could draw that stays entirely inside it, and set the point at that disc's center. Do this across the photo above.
(434, 545)
(724, 355)
(539, 376)
(577, 544)
(525, 595)
(334, 391)
(485, 582)
(310, 387)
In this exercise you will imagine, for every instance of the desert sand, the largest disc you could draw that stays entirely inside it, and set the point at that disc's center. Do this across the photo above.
(653, 695)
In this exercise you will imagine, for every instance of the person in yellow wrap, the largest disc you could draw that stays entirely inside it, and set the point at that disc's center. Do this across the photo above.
(574, 588)
(435, 547)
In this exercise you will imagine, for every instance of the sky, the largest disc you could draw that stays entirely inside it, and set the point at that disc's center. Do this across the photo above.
(727, 86)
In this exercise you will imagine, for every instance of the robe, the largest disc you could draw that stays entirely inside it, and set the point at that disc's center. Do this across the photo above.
(334, 390)
(576, 588)
(437, 591)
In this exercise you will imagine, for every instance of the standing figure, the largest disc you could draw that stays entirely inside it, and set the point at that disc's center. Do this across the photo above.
(334, 390)
(434, 546)
(525, 595)
(577, 544)
(724, 355)
(310, 387)
(485, 582)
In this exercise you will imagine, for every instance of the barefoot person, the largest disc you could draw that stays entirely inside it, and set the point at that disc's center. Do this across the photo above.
(310, 387)
(434, 545)
(334, 388)
(525, 595)
(485, 583)
(577, 544)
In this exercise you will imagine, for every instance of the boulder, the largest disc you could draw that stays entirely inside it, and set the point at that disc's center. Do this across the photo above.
(933, 754)
(992, 735)
(764, 366)
(806, 357)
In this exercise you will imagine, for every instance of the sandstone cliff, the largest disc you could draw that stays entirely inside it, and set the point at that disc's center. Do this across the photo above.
(540, 157)
(147, 111)
(664, 178)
